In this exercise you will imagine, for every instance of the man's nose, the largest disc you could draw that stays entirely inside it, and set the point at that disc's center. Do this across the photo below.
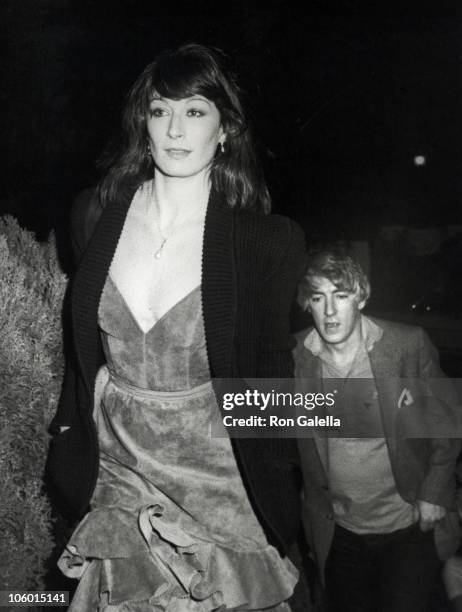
(329, 307)
(175, 126)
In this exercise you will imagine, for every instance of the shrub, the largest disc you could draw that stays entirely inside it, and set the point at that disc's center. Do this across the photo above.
(32, 287)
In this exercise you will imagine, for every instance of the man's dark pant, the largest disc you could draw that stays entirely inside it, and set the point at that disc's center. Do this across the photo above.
(393, 572)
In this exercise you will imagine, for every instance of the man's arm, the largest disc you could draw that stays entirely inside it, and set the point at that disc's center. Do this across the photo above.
(438, 486)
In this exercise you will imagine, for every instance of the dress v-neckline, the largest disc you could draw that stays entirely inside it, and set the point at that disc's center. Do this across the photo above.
(161, 318)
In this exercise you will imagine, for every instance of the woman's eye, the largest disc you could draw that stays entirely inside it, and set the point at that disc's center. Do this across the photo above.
(315, 299)
(342, 296)
(195, 112)
(157, 111)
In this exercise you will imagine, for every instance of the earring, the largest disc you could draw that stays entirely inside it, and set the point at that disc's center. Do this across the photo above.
(222, 147)
(148, 152)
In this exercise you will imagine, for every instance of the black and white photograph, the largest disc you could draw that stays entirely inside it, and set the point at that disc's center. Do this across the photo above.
(230, 306)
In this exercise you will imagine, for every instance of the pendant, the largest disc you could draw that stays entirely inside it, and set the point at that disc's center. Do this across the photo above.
(158, 253)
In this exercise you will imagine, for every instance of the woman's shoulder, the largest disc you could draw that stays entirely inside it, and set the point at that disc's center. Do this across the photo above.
(275, 241)
(85, 213)
(273, 230)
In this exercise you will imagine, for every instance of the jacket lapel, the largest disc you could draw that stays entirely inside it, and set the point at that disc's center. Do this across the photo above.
(219, 285)
(314, 451)
(319, 438)
(385, 364)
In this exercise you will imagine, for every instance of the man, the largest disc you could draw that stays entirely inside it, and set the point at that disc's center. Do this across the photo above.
(374, 504)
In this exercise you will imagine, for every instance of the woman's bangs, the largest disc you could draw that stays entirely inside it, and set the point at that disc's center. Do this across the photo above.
(182, 78)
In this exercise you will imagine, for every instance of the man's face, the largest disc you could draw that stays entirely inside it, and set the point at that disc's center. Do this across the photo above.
(336, 312)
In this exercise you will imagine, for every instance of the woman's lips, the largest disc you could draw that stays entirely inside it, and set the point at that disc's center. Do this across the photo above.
(177, 153)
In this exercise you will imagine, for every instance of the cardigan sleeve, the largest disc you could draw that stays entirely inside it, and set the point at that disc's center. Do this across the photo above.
(85, 213)
(278, 294)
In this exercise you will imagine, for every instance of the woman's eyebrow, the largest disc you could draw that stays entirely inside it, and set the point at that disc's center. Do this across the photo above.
(195, 98)
(198, 98)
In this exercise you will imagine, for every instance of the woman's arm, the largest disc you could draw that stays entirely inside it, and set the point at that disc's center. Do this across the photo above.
(278, 294)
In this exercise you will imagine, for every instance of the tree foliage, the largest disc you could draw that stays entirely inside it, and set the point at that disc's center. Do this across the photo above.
(32, 287)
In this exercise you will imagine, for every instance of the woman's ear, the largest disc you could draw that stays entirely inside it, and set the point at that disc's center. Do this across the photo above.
(221, 136)
(222, 140)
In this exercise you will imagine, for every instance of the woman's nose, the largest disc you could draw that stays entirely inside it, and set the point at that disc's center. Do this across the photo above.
(175, 126)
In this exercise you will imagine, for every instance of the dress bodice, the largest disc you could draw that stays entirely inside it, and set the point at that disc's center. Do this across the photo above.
(171, 356)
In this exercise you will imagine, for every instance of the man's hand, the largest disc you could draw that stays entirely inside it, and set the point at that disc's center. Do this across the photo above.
(428, 514)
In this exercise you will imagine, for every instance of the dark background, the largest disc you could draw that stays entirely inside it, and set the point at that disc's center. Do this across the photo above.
(344, 96)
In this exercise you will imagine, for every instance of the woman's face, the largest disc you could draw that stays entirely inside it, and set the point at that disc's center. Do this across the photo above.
(183, 135)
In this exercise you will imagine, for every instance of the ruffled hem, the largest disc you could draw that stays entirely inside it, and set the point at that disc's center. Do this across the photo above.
(161, 567)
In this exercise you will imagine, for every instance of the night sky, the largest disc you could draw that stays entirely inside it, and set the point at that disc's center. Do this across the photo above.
(343, 99)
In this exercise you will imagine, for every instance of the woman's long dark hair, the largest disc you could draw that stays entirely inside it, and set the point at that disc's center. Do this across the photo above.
(190, 70)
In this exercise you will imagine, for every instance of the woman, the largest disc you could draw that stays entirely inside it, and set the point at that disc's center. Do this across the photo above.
(183, 279)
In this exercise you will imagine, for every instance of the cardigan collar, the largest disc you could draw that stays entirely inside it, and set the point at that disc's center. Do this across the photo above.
(218, 285)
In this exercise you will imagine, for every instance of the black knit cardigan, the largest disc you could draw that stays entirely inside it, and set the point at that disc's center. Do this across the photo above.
(250, 267)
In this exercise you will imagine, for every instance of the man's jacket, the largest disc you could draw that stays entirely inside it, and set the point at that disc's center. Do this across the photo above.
(415, 400)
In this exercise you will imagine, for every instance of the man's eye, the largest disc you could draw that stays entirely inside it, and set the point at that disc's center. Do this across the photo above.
(195, 112)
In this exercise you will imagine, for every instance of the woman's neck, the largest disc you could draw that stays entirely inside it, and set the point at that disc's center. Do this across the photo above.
(181, 198)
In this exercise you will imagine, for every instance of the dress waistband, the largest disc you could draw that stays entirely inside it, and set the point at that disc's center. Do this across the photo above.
(124, 385)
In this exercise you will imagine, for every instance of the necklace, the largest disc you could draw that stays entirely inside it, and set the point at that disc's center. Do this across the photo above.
(158, 253)
(200, 216)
